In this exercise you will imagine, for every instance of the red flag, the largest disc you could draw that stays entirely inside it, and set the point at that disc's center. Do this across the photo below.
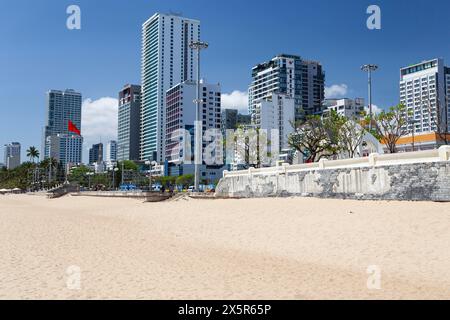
(73, 128)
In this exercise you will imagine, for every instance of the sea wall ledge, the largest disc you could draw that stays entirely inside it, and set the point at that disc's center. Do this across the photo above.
(414, 176)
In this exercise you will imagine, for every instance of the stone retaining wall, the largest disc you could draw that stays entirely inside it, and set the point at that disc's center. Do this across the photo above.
(428, 181)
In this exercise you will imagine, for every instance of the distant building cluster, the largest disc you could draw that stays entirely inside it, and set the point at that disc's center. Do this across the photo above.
(157, 116)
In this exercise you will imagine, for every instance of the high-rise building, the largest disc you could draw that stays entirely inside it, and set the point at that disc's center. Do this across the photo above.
(12, 155)
(111, 152)
(181, 113)
(302, 80)
(243, 119)
(424, 90)
(129, 123)
(276, 113)
(167, 60)
(59, 142)
(96, 153)
(350, 108)
(231, 119)
(65, 148)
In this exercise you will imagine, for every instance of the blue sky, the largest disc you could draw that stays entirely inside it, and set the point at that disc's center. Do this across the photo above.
(38, 52)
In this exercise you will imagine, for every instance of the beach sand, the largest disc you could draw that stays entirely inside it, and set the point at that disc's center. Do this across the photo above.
(293, 248)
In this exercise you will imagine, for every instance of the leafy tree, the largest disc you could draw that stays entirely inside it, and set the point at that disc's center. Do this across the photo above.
(391, 125)
(441, 126)
(350, 136)
(129, 167)
(185, 181)
(248, 143)
(316, 137)
(17, 177)
(50, 166)
(165, 181)
(78, 175)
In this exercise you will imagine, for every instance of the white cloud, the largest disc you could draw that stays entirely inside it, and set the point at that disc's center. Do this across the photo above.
(235, 100)
(99, 121)
(375, 109)
(336, 91)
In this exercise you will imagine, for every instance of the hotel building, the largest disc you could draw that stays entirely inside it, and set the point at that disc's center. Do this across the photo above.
(425, 91)
(302, 80)
(180, 119)
(276, 113)
(65, 148)
(166, 61)
(59, 142)
(129, 123)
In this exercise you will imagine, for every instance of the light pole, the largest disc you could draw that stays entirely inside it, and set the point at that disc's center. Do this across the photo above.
(150, 164)
(114, 170)
(90, 174)
(369, 68)
(198, 46)
(122, 171)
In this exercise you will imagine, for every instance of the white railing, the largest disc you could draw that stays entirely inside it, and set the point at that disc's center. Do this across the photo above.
(374, 160)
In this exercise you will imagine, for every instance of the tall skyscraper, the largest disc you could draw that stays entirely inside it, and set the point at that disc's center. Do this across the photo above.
(96, 153)
(12, 155)
(425, 91)
(129, 123)
(166, 61)
(111, 152)
(302, 80)
(60, 141)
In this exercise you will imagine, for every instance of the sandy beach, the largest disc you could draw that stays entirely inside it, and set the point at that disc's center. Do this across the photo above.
(294, 248)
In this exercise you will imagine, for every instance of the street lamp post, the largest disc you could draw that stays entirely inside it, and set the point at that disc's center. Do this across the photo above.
(150, 164)
(122, 171)
(369, 68)
(114, 170)
(89, 174)
(198, 46)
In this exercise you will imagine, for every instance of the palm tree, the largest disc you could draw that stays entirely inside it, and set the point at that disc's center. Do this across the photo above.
(32, 153)
(50, 165)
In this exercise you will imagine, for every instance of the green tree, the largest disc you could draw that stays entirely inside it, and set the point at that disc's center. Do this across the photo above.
(32, 153)
(390, 126)
(185, 180)
(16, 178)
(78, 175)
(350, 135)
(316, 137)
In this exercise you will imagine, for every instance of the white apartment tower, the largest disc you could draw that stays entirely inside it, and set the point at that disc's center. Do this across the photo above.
(302, 80)
(425, 91)
(12, 155)
(276, 113)
(167, 60)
